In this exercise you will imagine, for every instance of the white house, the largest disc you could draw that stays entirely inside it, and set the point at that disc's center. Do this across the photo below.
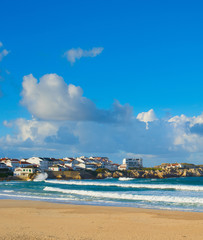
(71, 162)
(110, 166)
(122, 167)
(3, 165)
(58, 167)
(11, 163)
(43, 163)
(25, 171)
(80, 165)
(24, 164)
(132, 163)
(91, 166)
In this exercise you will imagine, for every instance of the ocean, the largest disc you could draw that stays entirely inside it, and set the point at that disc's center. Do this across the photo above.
(185, 194)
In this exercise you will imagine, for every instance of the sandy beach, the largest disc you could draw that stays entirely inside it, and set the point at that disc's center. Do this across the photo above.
(42, 220)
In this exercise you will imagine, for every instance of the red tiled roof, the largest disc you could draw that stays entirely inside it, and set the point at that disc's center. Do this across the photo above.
(25, 163)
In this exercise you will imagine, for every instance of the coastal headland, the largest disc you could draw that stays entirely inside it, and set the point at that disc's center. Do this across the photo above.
(105, 173)
(42, 220)
(92, 168)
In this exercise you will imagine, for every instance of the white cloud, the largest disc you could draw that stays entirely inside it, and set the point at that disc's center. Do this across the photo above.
(52, 99)
(165, 140)
(1, 44)
(67, 123)
(77, 53)
(30, 130)
(3, 54)
(188, 132)
(147, 117)
(89, 137)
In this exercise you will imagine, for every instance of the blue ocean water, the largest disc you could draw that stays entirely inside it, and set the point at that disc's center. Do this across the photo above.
(185, 194)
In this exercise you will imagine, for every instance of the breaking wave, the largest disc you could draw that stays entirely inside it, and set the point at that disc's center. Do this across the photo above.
(125, 196)
(8, 191)
(125, 179)
(132, 185)
(41, 177)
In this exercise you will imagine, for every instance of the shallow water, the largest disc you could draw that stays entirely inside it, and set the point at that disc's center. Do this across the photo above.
(184, 194)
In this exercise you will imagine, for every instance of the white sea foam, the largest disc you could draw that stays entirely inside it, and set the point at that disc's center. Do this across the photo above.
(125, 179)
(41, 177)
(8, 191)
(37, 197)
(132, 185)
(124, 196)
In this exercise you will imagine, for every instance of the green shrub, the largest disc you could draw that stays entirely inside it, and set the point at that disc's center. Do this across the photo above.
(101, 170)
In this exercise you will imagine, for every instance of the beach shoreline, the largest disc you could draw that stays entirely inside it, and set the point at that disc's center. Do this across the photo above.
(25, 219)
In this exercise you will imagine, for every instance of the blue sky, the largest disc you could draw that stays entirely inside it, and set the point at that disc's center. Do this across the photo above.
(152, 58)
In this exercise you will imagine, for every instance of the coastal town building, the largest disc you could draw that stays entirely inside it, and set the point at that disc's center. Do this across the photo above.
(132, 163)
(3, 166)
(122, 167)
(176, 165)
(10, 163)
(25, 171)
(43, 163)
(58, 167)
(110, 166)
(26, 166)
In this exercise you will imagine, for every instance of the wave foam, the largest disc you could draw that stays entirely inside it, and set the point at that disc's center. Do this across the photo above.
(121, 196)
(37, 197)
(125, 179)
(132, 185)
(41, 177)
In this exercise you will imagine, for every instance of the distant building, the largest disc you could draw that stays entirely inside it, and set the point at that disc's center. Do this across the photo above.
(122, 167)
(176, 165)
(110, 166)
(58, 168)
(25, 171)
(132, 162)
(3, 166)
(187, 165)
(43, 162)
(10, 163)
(91, 166)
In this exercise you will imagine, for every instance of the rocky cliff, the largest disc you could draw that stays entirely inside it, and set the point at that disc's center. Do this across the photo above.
(72, 175)
(154, 173)
(144, 173)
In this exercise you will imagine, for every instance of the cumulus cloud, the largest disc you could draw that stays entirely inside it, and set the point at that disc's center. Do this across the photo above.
(147, 117)
(67, 123)
(1, 44)
(52, 99)
(187, 132)
(176, 139)
(76, 53)
(90, 137)
(32, 130)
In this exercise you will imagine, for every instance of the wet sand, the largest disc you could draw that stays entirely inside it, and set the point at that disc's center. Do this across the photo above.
(42, 220)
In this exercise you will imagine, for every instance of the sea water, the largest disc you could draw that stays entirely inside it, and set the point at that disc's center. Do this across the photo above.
(185, 194)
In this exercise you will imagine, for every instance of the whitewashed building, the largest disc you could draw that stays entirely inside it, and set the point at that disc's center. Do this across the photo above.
(58, 167)
(133, 162)
(25, 171)
(43, 163)
(11, 163)
(129, 163)
(3, 166)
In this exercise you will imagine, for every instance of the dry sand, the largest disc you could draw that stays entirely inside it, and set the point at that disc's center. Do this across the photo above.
(41, 220)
